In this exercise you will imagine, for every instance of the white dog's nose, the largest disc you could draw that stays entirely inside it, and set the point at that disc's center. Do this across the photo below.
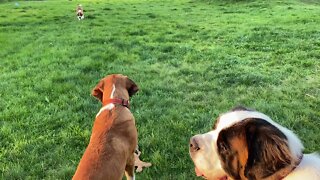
(194, 146)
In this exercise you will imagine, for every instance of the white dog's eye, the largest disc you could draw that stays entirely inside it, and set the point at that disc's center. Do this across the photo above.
(222, 147)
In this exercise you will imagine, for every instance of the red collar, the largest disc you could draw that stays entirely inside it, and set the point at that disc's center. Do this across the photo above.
(122, 102)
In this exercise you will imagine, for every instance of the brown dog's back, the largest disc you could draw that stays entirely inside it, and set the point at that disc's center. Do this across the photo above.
(113, 134)
(110, 152)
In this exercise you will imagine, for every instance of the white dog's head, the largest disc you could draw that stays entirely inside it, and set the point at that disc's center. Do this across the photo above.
(204, 154)
(245, 144)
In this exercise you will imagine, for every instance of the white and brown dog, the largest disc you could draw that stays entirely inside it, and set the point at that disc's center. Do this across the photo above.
(80, 12)
(246, 144)
(113, 141)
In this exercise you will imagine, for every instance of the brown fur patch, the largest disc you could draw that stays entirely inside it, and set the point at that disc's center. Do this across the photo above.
(254, 149)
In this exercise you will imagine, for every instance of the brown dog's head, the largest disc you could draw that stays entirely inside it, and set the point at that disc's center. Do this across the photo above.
(114, 86)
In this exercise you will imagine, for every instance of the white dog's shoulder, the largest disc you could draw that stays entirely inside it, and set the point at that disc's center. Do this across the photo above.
(308, 169)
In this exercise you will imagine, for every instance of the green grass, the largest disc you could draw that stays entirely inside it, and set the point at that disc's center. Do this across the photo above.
(191, 59)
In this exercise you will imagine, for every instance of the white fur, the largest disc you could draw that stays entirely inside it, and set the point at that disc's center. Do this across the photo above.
(113, 90)
(110, 105)
(81, 17)
(308, 169)
(130, 177)
(211, 169)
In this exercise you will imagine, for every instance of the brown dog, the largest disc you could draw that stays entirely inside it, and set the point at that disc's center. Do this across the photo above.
(110, 152)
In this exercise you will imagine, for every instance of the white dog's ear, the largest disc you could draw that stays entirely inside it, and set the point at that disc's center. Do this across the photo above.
(268, 150)
(263, 149)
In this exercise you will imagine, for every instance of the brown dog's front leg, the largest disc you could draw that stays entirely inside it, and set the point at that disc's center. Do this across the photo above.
(140, 164)
(130, 168)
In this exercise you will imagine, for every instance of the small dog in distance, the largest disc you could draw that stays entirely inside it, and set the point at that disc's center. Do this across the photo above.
(79, 12)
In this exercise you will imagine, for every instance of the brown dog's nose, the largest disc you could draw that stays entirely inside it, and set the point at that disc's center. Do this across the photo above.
(194, 146)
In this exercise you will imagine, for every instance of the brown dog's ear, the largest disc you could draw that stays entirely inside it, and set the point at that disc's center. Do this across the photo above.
(131, 87)
(98, 91)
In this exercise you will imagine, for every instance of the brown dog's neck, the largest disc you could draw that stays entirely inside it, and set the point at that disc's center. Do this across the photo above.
(110, 99)
(120, 101)
(116, 93)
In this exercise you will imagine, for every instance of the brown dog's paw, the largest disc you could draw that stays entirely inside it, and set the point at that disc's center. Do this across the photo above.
(140, 164)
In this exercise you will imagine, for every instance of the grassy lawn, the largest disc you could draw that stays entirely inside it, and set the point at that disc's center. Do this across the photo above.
(192, 59)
